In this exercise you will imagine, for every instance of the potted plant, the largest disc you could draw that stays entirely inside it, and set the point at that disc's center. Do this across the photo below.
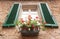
(30, 27)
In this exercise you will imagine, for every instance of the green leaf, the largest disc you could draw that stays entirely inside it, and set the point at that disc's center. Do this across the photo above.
(34, 22)
(17, 22)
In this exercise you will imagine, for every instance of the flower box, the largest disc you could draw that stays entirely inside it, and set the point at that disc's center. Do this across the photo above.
(29, 27)
(30, 31)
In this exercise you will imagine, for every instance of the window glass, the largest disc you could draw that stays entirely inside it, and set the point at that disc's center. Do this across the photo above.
(29, 12)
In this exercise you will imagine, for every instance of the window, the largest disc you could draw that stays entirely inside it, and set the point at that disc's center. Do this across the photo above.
(29, 10)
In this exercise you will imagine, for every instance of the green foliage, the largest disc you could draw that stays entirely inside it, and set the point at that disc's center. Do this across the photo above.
(23, 25)
(34, 22)
(17, 22)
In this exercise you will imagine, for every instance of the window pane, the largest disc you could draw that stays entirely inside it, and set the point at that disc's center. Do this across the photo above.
(29, 12)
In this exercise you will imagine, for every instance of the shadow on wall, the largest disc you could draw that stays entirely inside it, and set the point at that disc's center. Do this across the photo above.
(28, 37)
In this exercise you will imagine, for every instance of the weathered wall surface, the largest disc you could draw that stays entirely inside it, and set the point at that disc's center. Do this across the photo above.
(29, 0)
